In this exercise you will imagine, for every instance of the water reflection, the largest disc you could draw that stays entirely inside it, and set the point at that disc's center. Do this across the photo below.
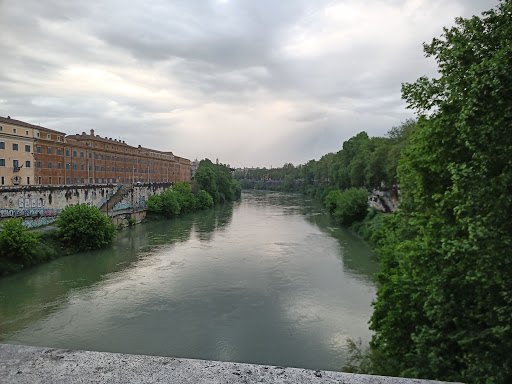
(268, 280)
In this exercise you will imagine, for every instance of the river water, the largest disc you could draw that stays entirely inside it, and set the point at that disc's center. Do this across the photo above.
(268, 280)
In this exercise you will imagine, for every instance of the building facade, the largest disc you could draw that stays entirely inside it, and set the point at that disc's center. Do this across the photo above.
(31, 154)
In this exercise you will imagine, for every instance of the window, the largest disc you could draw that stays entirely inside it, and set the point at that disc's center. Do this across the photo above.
(50, 165)
(60, 180)
(50, 180)
(2, 163)
(27, 164)
(90, 167)
(37, 134)
(39, 180)
(14, 146)
(82, 167)
(75, 166)
(2, 145)
(1, 129)
(102, 180)
(39, 165)
(97, 181)
(90, 155)
(48, 136)
(14, 130)
(102, 157)
(108, 179)
(15, 164)
(82, 181)
(68, 180)
(108, 157)
(39, 149)
(122, 169)
(75, 180)
(59, 151)
(3, 180)
(58, 138)
(50, 150)
(108, 169)
(95, 155)
(90, 180)
(26, 133)
(59, 166)
(97, 168)
(74, 154)
(68, 166)
(28, 180)
(67, 152)
(81, 154)
(27, 148)
(102, 168)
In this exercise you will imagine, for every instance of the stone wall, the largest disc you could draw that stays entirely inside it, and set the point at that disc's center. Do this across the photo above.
(32, 365)
(40, 205)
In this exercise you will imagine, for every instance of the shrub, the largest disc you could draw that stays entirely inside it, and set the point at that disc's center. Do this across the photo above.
(351, 206)
(82, 228)
(204, 200)
(16, 246)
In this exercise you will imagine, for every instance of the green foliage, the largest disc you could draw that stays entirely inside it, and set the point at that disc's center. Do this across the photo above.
(131, 221)
(444, 301)
(216, 179)
(184, 195)
(170, 204)
(154, 204)
(348, 206)
(331, 200)
(204, 200)
(83, 228)
(17, 246)
(363, 162)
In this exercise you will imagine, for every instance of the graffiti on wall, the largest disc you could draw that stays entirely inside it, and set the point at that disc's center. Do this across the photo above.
(30, 203)
(31, 212)
(38, 221)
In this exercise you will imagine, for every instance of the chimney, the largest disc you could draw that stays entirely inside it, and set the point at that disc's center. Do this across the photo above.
(92, 132)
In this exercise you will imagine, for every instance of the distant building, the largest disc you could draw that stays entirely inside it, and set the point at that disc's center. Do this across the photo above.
(30, 154)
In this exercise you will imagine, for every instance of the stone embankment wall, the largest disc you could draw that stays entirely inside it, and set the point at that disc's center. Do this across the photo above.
(32, 365)
(40, 205)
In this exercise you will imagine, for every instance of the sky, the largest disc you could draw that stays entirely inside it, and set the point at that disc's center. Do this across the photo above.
(254, 83)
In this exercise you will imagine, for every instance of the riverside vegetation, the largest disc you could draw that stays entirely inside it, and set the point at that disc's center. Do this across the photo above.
(444, 303)
(83, 228)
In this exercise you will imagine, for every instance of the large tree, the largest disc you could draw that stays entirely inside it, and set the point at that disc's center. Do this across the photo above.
(444, 306)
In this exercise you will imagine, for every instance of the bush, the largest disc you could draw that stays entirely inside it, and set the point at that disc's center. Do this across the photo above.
(204, 200)
(351, 206)
(83, 228)
(16, 246)
(170, 205)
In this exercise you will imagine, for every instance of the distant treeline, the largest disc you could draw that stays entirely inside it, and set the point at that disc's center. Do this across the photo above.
(363, 162)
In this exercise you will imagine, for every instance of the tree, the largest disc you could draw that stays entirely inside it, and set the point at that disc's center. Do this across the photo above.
(83, 228)
(204, 200)
(16, 244)
(184, 195)
(350, 205)
(444, 302)
(205, 177)
(170, 205)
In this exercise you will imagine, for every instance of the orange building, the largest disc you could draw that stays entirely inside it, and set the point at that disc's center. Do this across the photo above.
(54, 158)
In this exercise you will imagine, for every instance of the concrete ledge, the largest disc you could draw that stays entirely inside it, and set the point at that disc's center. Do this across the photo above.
(24, 364)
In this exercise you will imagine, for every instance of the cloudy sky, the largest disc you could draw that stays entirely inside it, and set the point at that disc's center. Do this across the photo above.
(251, 82)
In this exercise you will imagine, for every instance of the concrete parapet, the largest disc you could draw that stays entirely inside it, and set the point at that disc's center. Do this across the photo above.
(24, 364)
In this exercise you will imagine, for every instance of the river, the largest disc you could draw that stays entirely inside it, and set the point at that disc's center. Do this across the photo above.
(268, 280)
